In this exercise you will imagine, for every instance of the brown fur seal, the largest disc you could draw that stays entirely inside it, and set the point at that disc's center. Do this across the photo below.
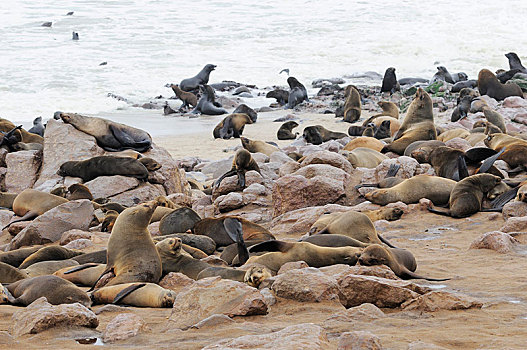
(7, 199)
(495, 118)
(314, 256)
(491, 129)
(286, 131)
(253, 276)
(56, 290)
(453, 133)
(203, 243)
(352, 106)
(111, 136)
(53, 252)
(418, 124)
(231, 126)
(428, 146)
(31, 203)
(132, 255)
(134, 294)
(389, 82)
(515, 153)
(388, 109)
(178, 221)
(435, 188)
(160, 213)
(378, 121)
(93, 257)
(317, 134)
(22, 135)
(369, 131)
(389, 214)
(49, 267)
(188, 98)
(79, 191)
(489, 85)
(109, 220)
(16, 257)
(175, 260)
(215, 229)
(467, 195)
(92, 168)
(10, 274)
(364, 157)
(255, 146)
(379, 255)
(201, 78)
(84, 275)
(364, 141)
(242, 162)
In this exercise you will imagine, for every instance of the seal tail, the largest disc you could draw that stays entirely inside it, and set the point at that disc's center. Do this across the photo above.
(28, 216)
(385, 241)
(127, 291)
(233, 227)
(440, 212)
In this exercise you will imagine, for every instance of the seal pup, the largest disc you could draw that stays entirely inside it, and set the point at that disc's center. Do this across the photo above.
(457, 87)
(389, 82)
(207, 103)
(37, 127)
(231, 126)
(489, 85)
(188, 98)
(294, 83)
(495, 118)
(132, 255)
(286, 131)
(253, 276)
(20, 134)
(364, 157)
(178, 221)
(111, 136)
(467, 195)
(442, 74)
(175, 260)
(92, 168)
(378, 255)
(515, 62)
(281, 96)
(388, 108)
(255, 146)
(134, 294)
(317, 134)
(243, 108)
(462, 109)
(109, 220)
(202, 78)
(352, 106)
(242, 162)
(56, 290)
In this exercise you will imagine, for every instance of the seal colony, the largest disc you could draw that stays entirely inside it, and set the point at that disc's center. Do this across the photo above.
(146, 231)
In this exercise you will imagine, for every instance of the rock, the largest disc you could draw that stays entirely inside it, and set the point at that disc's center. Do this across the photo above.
(459, 143)
(170, 176)
(332, 146)
(176, 281)
(359, 340)
(217, 168)
(22, 170)
(50, 226)
(111, 308)
(279, 157)
(269, 296)
(363, 313)
(5, 217)
(74, 234)
(515, 224)
(308, 149)
(256, 189)
(62, 143)
(3, 154)
(108, 186)
(329, 158)
(212, 321)
(409, 168)
(495, 240)
(513, 209)
(439, 300)
(294, 265)
(288, 168)
(233, 200)
(230, 184)
(308, 284)
(15, 228)
(339, 271)
(79, 244)
(514, 102)
(419, 345)
(143, 193)
(153, 228)
(305, 336)
(214, 261)
(123, 326)
(381, 292)
(215, 296)
(41, 315)
(299, 221)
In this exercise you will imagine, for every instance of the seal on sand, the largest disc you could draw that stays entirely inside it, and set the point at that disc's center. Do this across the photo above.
(188, 98)
(199, 79)
(231, 126)
(352, 106)
(286, 131)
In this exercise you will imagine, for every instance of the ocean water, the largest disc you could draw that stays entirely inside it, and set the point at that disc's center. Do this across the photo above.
(149, 43)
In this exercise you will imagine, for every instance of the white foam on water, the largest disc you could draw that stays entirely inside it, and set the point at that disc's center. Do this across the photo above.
(148, 43)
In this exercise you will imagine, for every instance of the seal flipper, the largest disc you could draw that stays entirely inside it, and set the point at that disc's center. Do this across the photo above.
(80, 268)
(241, 178)
(385, 241)
(504, 198)
(271, 246)
(125, 292)
(487, 164)
(227, 174)
(392, 170)
(440, 212)
(366, 185)
(462, 170)
(233, 227)
(28, 216)
(479, 154)
(406, 274)
(107, 270)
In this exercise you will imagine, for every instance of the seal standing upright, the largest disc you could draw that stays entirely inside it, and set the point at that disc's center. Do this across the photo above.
(352, 106)
(489, 85)
(207, 104)
(200, 79)
(389, 82)
(37, 127)
(285, 132)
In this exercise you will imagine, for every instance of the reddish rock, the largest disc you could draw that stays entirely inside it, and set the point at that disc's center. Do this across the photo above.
(213, 321)
(108, 186)
(458, 143)
(74, 234)
(514, 102)
(308, 284)
(288, 168)
(230, 184)
(22, 170)
(329, 158)
(514, 209)
(79, 244)
(495, 240)
(231, 201)
(294, 265)
(340, 270)
(364, 313)
(439, 300)
(169, 175)
(515, 224)
(142, 193)
(123, 326)
(359, 340)
(176, 281)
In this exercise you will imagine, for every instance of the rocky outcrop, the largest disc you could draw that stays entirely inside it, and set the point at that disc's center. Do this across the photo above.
(22, 170)
(307, 285)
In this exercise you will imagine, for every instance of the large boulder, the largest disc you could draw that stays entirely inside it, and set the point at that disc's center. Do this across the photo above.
(22, 170)
(439, 300)
(329, 158)
(142, 193)
(41, 315)
(50, 226)
(215, 296)
(170, 176)
(108, 186)
(307, 284)
(514, 209)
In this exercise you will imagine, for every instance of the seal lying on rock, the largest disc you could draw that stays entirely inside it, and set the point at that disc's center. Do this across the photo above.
(134, 294)
(489, 85)
(111, 136)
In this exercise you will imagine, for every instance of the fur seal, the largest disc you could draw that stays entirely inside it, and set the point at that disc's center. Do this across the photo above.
(389, 82)
(412, 81)
(457, 87)
(505, 76)
(489, 85)
(7, 199)
(78, 191)
(364, 157)
(281, 96)
(31, 203)
(435, 188)
(515, 153)
(132, 255)
(49, 267)
(17, 256)
(364, 141)
(84, 275)
(378, 255)
(203, 243)
(462, 109)
(207, 103)
(21, 135)
(53, 252)
(134, 294)
(467, 195)
(111, 136)
(109, 220)
(243, 108)
(231, 126)
(297, 93)
(56, 290)
(215, 229)
(515, 62)
(389, 109)
(453, 133)
(370, 130)
(255, 146)
(92, 168)
(37, 127)
(178, 221)
(242, 162)
(10, 274)
(201, 78)
(417, 125)
(253, 276)
(427, 145)
(175, 260)
(188, 98)
(314, 256)
(442, 74)
(495, 118)
(352, 106)
(285, 132)
(317, 134)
